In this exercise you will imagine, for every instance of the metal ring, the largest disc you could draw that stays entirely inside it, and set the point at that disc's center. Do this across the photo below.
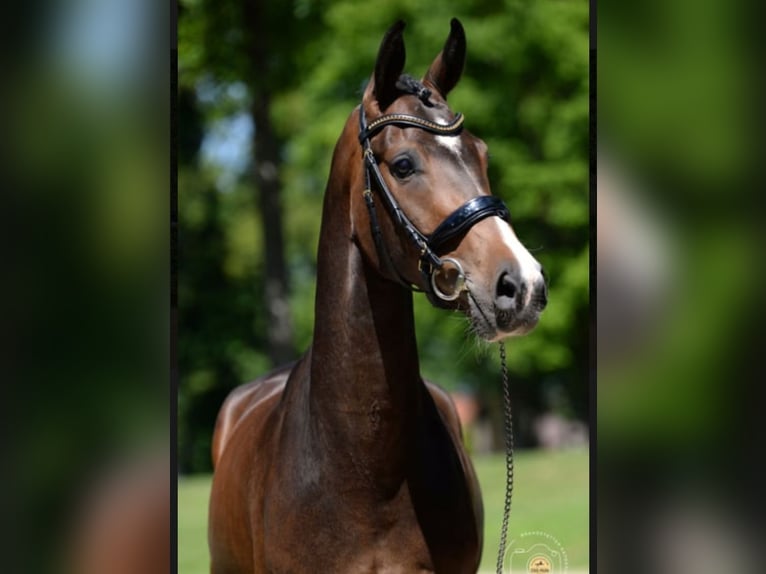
(460, 283)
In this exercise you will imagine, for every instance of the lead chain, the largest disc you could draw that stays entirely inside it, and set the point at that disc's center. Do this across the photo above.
(508, 435)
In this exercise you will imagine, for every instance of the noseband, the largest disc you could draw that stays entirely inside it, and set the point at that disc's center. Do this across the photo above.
(454, 226)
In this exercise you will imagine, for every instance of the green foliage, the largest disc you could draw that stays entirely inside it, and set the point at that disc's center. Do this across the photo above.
(524, 91)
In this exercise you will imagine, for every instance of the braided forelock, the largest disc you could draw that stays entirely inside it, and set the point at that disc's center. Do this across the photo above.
(410, 85)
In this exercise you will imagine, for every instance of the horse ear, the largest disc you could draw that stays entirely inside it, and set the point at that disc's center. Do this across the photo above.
(389, 65)
(446, 69)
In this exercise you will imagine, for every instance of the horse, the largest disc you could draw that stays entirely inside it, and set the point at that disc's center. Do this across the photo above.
(347, 460)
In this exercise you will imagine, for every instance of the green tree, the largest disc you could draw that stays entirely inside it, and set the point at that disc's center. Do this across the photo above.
(524, 91)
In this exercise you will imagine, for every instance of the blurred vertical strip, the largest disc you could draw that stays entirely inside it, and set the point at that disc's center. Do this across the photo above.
(173, 332)
(680, 317)
(84, 110)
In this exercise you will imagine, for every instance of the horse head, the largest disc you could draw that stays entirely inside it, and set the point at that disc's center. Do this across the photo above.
(427, 218)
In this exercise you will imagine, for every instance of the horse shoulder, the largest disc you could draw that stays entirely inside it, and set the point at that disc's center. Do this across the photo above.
(447, 409)
(241, 401)
(448, 412)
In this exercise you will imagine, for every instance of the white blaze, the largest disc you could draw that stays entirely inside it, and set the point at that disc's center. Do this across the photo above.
(529, 268)
(452, 143)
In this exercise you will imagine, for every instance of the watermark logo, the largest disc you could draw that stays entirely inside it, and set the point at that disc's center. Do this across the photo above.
(539, 565)
(535, 552)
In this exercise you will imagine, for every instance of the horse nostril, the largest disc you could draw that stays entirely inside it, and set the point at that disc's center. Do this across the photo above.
(506, 286)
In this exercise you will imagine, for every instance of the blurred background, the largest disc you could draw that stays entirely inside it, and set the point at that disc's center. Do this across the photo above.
(680, 314)
(84, 393)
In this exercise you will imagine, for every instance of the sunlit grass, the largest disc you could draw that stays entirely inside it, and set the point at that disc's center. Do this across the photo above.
(550, 495)
(193, 495)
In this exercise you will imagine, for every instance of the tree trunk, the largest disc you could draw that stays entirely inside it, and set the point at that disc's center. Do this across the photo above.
(266, 167)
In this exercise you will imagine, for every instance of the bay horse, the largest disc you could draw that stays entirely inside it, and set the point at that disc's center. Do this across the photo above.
(347, 460)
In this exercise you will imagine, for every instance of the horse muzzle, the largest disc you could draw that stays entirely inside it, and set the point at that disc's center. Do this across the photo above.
(511, 308)
(518, 304)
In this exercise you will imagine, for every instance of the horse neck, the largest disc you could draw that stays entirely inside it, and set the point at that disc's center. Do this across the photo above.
(364, 347)
(365, 384)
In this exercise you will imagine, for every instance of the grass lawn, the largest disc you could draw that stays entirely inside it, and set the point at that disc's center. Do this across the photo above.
(193, 494)
(550, 495)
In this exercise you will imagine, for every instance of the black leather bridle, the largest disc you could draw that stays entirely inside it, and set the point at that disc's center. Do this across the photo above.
(454, 226)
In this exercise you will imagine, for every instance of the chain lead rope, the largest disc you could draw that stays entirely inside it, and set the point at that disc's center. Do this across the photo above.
(508, 434)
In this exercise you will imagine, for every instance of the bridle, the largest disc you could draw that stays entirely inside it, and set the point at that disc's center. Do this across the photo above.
(456, 225)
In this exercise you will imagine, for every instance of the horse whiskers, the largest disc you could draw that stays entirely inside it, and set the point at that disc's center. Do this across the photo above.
(481, 346)
(475, 325)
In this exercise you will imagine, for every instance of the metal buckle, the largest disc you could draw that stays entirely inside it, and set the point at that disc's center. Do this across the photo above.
(459, 281)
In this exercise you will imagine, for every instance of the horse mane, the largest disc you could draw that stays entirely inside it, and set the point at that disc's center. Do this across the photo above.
(410, 85)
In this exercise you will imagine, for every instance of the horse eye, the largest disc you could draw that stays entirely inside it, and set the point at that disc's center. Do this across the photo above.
(402, 168)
